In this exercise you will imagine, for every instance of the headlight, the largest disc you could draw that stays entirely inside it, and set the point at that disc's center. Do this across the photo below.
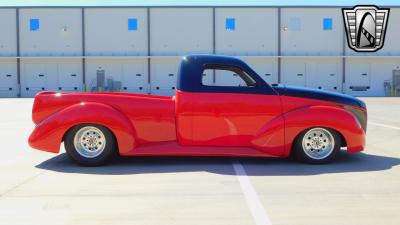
(360, 114)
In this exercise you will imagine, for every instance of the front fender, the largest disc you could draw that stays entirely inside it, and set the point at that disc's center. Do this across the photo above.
(332, 117)
(48, 134)
(271, 137)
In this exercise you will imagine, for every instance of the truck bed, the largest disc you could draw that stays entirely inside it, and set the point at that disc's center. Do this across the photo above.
(147, 113)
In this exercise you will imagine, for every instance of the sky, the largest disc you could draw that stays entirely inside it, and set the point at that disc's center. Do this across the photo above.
(89, 3)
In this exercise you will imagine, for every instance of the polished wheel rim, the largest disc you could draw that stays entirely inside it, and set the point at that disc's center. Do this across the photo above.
(318, 143)
(89, 142)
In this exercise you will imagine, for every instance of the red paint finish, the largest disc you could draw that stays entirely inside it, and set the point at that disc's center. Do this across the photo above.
(49, 133)
(224, 119)
(301, 113)
(212, 124)
(175, 149)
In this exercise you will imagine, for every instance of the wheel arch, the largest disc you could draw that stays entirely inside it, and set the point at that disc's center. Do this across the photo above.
(49, 133)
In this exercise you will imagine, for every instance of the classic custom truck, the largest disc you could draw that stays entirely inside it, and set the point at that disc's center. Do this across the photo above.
(252, 118)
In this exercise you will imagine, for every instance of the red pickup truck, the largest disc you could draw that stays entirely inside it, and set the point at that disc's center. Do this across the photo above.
(249, 119)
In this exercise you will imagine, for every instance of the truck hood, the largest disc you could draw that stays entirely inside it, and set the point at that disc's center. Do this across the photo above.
(318, 94)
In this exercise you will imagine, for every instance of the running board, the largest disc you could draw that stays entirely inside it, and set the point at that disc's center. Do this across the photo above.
(174, 149)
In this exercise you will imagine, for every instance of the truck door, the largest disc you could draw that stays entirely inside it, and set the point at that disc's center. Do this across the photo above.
(230, 114)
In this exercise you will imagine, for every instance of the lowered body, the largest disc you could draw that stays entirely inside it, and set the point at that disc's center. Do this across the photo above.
(253, 119)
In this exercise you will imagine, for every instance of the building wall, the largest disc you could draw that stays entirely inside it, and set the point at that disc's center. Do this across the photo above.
(313, 72)
(302, 32)
(139, 49)
(176, 32)
(8, 52)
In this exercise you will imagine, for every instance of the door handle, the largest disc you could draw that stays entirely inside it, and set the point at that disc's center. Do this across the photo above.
(41, 75)
(364, 74)
(73, 75)
(138, 75)
(8, 75)
(300, 74)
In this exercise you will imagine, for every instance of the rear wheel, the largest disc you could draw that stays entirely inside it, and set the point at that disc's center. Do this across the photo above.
(317, 145)
(90, 144)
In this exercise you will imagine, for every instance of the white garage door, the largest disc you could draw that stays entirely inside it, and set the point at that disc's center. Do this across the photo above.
(294, 74)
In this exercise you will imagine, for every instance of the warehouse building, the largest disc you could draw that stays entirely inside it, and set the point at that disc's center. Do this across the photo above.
(131, 46)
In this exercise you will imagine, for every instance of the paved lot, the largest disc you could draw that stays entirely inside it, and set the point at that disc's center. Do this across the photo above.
(43, 188)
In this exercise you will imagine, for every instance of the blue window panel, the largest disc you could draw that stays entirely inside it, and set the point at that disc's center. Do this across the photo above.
(327, 23)
(132, 24)
(295, 24)
(34, 24)
(230, 24)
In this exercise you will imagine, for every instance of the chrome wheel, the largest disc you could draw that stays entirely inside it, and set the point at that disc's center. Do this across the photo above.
(89, 142)
(318, 143)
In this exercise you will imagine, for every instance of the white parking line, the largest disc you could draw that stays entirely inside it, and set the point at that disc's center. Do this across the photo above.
(384, 125)
(253, 202)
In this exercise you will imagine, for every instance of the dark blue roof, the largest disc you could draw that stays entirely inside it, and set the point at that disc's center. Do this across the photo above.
(193, 66)
(192, 3)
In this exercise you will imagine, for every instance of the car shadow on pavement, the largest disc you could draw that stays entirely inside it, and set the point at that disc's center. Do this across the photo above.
(359, 162)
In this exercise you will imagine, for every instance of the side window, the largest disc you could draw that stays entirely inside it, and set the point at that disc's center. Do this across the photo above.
(226, 76)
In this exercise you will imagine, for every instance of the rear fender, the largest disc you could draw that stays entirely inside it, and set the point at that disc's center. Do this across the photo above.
(49, 133)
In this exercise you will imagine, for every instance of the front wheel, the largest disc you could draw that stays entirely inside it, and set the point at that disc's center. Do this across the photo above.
(317, 145)
(89, 144)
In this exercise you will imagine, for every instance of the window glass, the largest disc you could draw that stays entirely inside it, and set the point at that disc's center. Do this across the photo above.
(295, 24)
(327, 23)
(34, 24)
(227, 76)
(132, 24)
(230, 24)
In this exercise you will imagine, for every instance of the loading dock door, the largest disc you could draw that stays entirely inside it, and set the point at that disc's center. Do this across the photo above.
(266, 70)
(358, 77)
(134, 77)
(164, 76)
(8, 80)
(325, 77)
(38, 77)
(69, 77)
(35, 78)
(294, 74)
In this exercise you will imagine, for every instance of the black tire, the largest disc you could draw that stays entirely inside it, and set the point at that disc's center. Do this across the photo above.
(313, 156)
(78, 156)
